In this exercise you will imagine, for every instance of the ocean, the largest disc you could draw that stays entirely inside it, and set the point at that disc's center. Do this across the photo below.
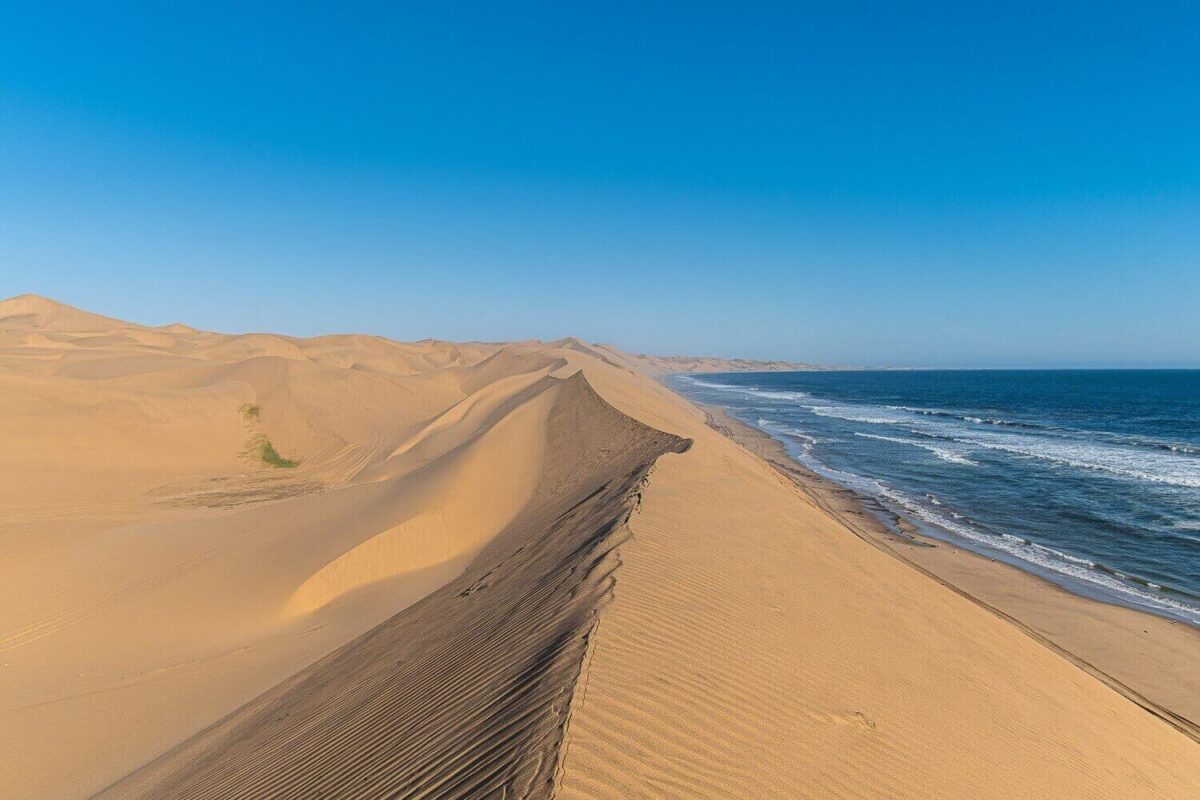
(1090, 478)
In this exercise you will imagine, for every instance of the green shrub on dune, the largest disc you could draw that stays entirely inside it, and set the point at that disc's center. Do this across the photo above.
(259, 446)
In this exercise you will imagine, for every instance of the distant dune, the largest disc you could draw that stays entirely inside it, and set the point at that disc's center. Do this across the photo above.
(256, 566)
(665, 365)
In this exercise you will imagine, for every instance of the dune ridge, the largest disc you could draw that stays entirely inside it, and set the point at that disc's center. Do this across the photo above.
(130, 503)
(668, 365)
(466, 693)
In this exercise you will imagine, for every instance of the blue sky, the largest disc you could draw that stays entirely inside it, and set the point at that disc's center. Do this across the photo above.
(932, 184)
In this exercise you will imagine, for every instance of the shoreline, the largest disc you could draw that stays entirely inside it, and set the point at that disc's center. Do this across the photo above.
(1147, 658)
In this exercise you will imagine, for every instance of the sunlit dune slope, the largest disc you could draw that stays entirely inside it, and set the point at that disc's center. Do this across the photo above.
(465, 694)
(159, 571)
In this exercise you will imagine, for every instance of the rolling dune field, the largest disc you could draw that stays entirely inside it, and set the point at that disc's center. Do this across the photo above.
(264, 566)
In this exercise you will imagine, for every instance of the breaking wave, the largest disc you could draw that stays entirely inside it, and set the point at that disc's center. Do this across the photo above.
(944, 453)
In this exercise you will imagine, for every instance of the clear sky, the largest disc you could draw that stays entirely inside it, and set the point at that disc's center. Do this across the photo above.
(931, 184)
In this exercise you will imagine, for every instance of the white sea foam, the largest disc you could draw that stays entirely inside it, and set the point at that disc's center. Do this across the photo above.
(1161, 466)
(934, 418)
(1171, 465)
(1047, 558)
(1168, 466)
(1119, 461)
(752, 391)
(1130, 462)
(777, 395)
(708, 384)
(867, 414)
(944, 453)
(1167, 463)
(779, 427)
(1065, 556)
(959, 415)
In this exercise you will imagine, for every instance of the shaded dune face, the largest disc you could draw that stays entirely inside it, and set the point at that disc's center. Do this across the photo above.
(467, 693)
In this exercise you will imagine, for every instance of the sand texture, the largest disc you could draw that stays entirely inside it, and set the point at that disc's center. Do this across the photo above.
(262, 566)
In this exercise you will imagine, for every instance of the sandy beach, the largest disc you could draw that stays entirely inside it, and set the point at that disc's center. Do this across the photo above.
(1146, 657)
(266, 566)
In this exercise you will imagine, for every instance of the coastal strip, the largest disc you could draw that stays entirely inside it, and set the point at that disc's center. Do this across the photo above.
(1148, 659)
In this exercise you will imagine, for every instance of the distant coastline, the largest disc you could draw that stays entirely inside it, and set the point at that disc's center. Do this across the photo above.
(674, 365)
(1145, 657)
(960, 454)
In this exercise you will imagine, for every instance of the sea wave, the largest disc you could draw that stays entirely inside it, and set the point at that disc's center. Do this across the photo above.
(948, 422)
(777, 395)
(1187, 530)
(866, 414)
(968, 417)
(1152, 444)
(753, 391)
(1051, 560)
(1131, 463)
(944, 453)
(1112, 460)
(1047, 558)
(1160, 469)
(1171, 467)
(787, 430)
(1110, 437)
(707, 384)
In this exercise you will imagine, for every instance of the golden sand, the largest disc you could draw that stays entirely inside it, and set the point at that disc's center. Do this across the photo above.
(491, 571)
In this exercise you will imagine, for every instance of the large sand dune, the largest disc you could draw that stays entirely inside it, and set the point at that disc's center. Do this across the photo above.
(262, 566)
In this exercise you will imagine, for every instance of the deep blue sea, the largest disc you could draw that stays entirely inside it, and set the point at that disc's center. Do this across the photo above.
(1090, 478)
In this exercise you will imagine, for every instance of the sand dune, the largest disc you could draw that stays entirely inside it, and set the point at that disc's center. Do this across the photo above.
(489, 571)
(666, 365)
(465, 694)
(158, 573)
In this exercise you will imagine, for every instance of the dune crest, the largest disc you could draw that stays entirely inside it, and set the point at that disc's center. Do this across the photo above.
(467, 496)
(467, 693)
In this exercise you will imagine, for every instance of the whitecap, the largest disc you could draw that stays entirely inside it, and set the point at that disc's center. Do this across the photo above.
(1047, 558)
(944, 453)
(777, 395)
(708, 384)
(771, 425)
(751, 391)
(867, 415)
(1119, 461)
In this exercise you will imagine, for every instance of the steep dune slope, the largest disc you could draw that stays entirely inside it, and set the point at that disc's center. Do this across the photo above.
(156, 573)
(465, 694)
